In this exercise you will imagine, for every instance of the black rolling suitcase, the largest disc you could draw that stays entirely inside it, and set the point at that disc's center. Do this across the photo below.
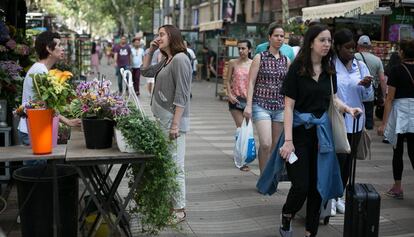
(362, 205)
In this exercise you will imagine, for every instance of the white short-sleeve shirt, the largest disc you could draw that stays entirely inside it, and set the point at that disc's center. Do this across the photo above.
(28, 93)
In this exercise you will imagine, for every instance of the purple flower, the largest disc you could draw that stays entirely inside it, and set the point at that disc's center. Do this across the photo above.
(98, 100)
(11, 68)
(85, 108)
(22, 49)
(11, 44)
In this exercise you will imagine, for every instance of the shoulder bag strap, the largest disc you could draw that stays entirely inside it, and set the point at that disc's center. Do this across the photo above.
(363, 59)
(408, 71)
(332, 90)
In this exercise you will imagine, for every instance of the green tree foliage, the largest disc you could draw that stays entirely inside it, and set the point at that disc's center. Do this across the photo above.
(103, 16)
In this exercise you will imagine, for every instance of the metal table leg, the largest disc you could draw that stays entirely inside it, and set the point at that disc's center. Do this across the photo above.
(89, 186)
(56, 212)
(130, 193)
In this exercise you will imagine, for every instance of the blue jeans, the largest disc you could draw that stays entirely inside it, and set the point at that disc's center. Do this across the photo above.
(24, 140)
(119, 76)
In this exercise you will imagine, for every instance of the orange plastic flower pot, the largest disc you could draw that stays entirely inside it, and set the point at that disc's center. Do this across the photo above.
(40, 130)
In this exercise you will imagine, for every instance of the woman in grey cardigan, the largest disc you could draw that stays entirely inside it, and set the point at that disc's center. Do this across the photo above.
(170, 103)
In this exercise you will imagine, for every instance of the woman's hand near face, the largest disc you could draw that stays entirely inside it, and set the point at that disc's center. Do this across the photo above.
(153, 46)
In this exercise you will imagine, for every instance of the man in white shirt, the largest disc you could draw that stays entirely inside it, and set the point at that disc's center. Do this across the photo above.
(137, 57)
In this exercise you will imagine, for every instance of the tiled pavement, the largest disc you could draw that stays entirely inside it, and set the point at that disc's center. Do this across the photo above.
(223, 201)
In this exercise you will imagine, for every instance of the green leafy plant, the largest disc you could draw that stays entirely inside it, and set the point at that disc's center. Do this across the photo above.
(53, 88)
(296, 28)
(158, 184)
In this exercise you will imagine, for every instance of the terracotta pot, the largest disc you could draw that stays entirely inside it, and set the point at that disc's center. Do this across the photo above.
(39, 123)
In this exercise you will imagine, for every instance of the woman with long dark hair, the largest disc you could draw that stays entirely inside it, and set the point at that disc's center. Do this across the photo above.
(398, 114)
(171, 99)
(315, 175)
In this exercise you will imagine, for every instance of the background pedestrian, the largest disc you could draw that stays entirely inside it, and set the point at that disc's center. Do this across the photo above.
(238, 82)
(123, 59)
(137, 56)
(354, 87)
(376, 69)
(398, 114)
(264, 101)
(95, 51)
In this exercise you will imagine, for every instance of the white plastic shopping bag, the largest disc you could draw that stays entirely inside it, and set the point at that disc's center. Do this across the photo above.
(245, 146)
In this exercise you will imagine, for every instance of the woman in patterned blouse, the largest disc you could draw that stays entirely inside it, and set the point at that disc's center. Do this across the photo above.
(265, 103)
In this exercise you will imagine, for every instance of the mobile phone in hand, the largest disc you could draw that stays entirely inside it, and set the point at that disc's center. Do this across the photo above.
(292, 158)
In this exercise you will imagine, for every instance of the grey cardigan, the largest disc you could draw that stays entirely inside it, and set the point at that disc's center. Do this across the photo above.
(172, 88)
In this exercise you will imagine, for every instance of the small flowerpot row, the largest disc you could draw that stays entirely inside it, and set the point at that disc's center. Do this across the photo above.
(43, 129)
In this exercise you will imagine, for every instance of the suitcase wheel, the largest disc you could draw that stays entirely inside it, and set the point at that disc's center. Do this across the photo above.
(326, 220)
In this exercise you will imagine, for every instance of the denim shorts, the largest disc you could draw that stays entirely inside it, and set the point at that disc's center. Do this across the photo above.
(238, 106)
(259, 113)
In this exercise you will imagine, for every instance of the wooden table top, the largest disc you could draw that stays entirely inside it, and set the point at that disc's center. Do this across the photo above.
(23, 153)
(77, 152)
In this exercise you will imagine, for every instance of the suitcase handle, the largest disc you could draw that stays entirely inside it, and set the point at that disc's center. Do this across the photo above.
(354, 149)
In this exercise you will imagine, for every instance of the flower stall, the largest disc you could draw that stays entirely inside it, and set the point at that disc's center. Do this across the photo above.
(15, 58)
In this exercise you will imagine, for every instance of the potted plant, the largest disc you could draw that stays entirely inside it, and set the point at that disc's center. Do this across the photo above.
(158, 184)
(52, 93)
(53, 89)
(98, 107)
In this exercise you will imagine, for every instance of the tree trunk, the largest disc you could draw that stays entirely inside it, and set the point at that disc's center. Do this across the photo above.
(261, 13)
(120, 17)
(271, 13)
(134, 20)
(285, 11)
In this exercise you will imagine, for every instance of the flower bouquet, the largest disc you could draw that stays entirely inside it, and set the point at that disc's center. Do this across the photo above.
(53, 89)
(52, 92)
(98, 107)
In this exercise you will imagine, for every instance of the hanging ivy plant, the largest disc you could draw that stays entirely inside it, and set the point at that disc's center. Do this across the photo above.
(158, 184)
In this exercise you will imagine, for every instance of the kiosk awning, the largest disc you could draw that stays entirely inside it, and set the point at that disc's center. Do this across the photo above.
(212, 25)
(343, 9)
